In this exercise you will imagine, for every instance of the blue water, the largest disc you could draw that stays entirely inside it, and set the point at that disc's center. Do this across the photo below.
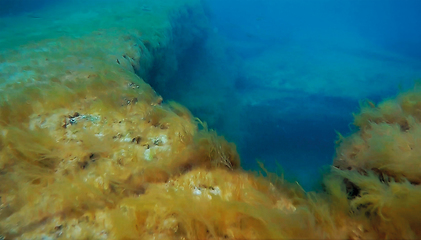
(279, 77)
(15, 7)
(318, 43)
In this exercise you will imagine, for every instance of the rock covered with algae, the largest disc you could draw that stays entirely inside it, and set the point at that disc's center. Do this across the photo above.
(88, 150)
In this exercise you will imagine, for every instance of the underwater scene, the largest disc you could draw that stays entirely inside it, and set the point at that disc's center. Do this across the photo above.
(210, 119)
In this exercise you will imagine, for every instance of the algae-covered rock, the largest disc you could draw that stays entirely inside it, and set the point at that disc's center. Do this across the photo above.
(381, 166)
(88, 150)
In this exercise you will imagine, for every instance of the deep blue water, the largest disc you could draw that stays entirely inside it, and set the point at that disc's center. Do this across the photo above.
(275, 76)
(392, 24)
(301, 139)
(15, 7)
